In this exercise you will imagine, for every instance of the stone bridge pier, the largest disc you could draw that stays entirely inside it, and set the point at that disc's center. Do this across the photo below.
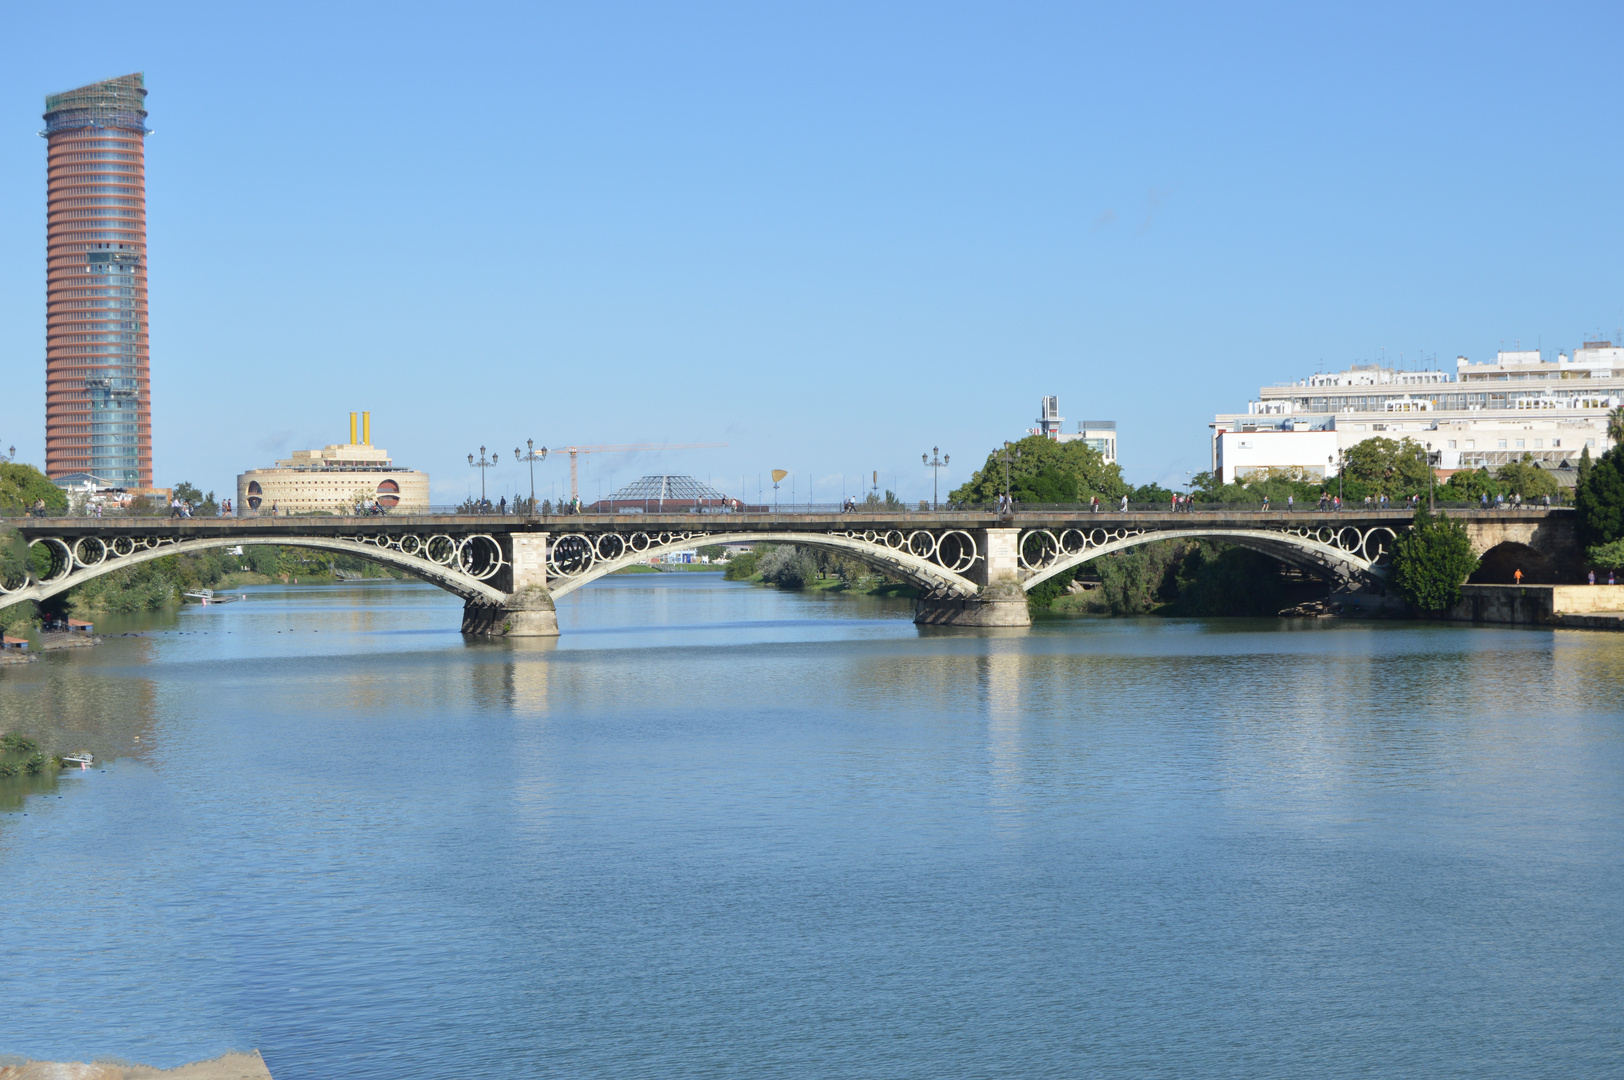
(1000, 601)
(528, 609)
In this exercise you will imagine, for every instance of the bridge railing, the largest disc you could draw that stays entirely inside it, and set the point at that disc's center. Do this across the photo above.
(653, 507)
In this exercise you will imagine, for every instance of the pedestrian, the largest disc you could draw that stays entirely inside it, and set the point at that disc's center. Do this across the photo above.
(1265, 502)
(504, 504)
(1124, 504)
(1483, 500)
(1291, 503)
(1337, 503)
(1592, 577)
(1516, 576)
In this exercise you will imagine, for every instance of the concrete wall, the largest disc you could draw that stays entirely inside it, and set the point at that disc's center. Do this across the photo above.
(1542, 605)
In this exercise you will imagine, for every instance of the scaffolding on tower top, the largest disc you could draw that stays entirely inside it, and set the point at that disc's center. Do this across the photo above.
(113, 103)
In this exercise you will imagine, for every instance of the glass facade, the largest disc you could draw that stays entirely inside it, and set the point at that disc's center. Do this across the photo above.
(98, 406)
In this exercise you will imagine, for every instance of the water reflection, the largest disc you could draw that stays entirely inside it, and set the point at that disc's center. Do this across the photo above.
(361, 837)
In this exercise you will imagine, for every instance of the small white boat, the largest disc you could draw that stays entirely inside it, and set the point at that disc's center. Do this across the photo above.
(209, 596)
(82, 759)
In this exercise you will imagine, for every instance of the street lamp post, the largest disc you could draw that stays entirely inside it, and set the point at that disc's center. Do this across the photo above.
(532, 456)
(1432, 503)
(935, 471)
(482, 464)
(1331, 460)
(1009, 457)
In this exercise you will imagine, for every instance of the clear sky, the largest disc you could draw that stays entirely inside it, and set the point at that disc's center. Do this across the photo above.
(830, 235)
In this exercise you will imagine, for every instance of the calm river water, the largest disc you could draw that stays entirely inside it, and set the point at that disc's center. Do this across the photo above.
(721, 831)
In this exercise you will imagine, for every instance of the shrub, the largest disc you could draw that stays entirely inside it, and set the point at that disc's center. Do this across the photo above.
(742, 567)
(789, 567)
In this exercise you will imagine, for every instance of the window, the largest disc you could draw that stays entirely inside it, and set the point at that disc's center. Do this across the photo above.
(1521, 443)
(1539, 443)
(1452, 444)
(1590, 443)
(1556, 443)
(1502, 444)
(1471, 444)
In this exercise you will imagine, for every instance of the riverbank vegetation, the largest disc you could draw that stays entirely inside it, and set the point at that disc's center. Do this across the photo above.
(1176, 577)
(790, 567)
(21, 756)
(159, 583)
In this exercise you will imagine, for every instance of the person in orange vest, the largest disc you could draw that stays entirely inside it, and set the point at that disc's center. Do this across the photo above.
(1517, 576)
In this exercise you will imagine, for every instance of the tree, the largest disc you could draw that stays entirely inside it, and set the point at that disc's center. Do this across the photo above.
(1153, 493)
(1599, 498)
(1385, 467)
(14, 558)
(204, 505)
(1615, 425)
(1431, 561)
(1526, 479)
(1469, 486)
(22, 485)
(1607, 556)
(1047, 471)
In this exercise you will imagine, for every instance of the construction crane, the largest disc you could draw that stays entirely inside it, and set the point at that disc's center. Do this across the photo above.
(574, 451)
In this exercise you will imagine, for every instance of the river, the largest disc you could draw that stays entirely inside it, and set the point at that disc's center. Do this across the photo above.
(717, 830)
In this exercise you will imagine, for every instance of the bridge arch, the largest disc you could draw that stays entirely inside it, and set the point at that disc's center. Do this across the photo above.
(1316, 555)
(447, 578)
(916, 570)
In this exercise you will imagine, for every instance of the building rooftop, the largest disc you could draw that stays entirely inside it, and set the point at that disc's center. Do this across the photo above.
(666, 489)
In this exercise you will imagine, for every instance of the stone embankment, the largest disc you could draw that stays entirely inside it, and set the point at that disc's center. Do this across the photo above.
(1588, 607)
(230, 1067)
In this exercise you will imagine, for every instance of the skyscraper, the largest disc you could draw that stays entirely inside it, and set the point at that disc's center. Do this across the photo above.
(98, 393)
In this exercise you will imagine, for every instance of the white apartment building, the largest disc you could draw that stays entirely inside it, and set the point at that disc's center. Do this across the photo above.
(1482, 415)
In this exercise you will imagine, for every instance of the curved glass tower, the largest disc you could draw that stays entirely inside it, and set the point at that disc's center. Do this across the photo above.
(98, 402)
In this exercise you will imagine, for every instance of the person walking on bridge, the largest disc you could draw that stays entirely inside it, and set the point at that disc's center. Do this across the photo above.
(1516, 576)
(1124, 504)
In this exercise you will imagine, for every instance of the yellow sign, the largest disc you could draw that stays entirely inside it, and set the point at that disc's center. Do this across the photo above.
(779, 474)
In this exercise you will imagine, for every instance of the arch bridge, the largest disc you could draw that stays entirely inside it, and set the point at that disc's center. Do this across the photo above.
(972, 568)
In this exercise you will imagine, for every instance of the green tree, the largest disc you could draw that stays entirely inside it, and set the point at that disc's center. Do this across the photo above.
(1047, 471)
(1431, 561)
(14, 558)
(1152, 493)
(1526, 479)
(1615, 425)
(1469, 485)
(202, 505)
(22, 485)
(1599, 498)
(1382, 466)
(1607, 556)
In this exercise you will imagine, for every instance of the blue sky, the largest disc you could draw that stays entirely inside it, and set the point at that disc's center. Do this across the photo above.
(832, 236)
